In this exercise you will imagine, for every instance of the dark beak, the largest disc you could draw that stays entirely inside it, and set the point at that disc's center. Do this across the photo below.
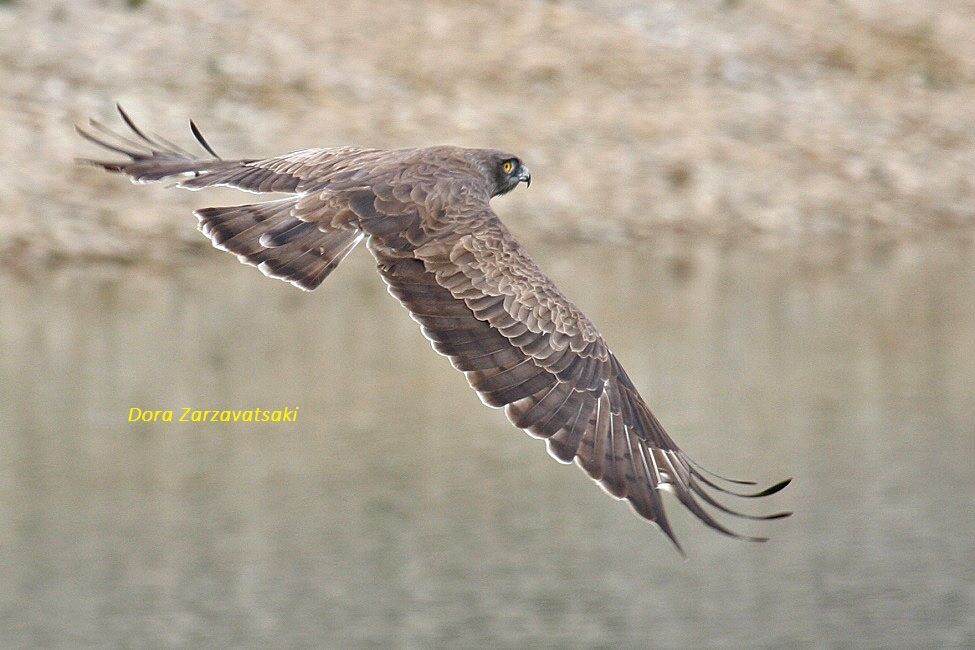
(525, 176)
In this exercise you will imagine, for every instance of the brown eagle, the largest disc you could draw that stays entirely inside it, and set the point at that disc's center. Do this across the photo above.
(478, 296)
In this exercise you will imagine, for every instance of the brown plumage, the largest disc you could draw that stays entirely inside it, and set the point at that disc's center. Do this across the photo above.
(478, 296)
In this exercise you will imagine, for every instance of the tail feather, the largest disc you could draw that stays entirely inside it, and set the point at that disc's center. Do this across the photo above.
(268, 236)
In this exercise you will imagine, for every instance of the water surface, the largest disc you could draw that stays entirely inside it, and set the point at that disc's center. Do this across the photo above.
(399, 511)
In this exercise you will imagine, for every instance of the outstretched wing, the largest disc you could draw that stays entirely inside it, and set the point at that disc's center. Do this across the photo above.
(152, 158)
(524, 346)
(299, 239)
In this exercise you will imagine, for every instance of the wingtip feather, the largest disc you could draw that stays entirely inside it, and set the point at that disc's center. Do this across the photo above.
(203, 143)
(772, 489)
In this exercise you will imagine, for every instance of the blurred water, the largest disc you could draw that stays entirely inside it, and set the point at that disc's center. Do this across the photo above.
(398, 511)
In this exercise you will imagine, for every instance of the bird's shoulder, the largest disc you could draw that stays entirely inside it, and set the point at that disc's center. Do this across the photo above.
(488, 260)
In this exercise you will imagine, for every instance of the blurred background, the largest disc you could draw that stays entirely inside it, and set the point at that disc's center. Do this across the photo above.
(767, 207)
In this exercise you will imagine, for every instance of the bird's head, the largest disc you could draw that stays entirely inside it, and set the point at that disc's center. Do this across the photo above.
(504, 172)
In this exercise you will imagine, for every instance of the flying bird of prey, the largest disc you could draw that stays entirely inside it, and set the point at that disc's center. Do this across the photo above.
(478, 296)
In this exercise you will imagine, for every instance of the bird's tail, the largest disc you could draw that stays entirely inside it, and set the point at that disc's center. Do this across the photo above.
(268, 236)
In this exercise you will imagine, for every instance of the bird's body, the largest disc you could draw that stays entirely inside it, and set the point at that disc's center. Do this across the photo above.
(478, 296)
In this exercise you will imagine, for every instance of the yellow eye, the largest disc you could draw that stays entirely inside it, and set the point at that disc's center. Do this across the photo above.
(507, 166)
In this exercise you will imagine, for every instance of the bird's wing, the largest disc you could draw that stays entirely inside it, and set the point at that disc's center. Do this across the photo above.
(152, 158)
(483, 302)
(299, 239)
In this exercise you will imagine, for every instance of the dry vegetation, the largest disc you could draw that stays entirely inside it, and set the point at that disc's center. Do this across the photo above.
(796, 119)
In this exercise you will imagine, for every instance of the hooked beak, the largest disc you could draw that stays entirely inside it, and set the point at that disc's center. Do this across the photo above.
(525, 176)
